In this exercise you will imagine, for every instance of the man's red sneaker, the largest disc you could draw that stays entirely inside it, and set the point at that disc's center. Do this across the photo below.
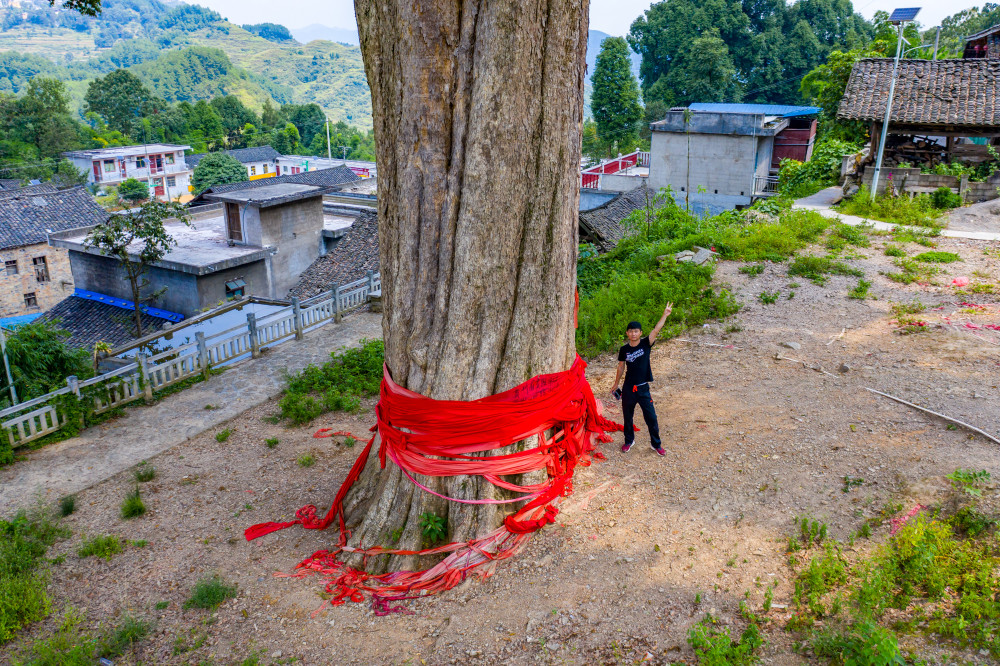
(626, 447)
(660, 451)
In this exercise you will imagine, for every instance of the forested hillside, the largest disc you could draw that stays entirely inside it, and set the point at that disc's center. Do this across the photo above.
(182, 53)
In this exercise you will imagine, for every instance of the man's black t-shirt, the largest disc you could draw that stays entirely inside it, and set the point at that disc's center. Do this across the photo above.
(637, 370)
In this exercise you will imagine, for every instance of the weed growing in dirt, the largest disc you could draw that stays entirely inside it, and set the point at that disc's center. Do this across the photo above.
(811, 532)
(852, 482)
(753, 270)
(271, 442)
(906, 322)
(24, 540)
(861, 643)
(223, 435)
(133, 506)
(715, 647)
(768, 297)
(337, 386)
(139, 543)
(121, 639)
(67, 505)
(733, 327)
(144, 472)
(195, 639)
(919, 211)
(209, 593)
(901, 309)
(349, 442)
(433, 527)
(106, 546)
(918, 237)
(162, 605)
(894, 251)
(968, 481)
(860, 292)
(817, 268)
(306, 460)
(843, 235)
(912, 271)
(938, 257)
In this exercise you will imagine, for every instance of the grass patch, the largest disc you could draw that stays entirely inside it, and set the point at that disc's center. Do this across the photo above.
(271, 442)
(816, 268)
(223, 435)
(913, 236)
(209, 593)
(306, 460)
(860, 292)
(715, 647)
(919, 211)
(144, 472)
(938, 257)
(67, 505)
(894, 251)
(753, 270)
(842, 235)
(768, 297)
(24, 540)
(69, 645)
(338, 385)
(132, 505)
(106, 546)
(912, 271)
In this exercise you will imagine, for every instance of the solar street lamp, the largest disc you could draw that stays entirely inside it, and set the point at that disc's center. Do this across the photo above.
(898, 18)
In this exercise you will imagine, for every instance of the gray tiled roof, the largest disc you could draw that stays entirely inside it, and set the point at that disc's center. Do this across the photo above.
(90, 322)
(350, 259)
(24, 219)
(244, 155)
(332, 177)
(954, 92)
(39, 188)
(603, 224)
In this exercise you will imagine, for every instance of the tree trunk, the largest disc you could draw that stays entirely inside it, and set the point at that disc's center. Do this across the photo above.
(478, 108)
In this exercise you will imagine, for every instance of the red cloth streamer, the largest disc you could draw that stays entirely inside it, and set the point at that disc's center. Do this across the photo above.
(441, 438)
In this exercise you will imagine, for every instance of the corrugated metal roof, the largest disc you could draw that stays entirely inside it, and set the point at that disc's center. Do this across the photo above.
(783, 110)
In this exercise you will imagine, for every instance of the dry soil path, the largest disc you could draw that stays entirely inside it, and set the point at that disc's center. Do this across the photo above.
(101, 452)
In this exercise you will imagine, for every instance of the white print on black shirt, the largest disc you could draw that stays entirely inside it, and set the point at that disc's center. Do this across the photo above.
(630, 357)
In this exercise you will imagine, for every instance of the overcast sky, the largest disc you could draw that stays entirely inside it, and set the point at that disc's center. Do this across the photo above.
(611, 16)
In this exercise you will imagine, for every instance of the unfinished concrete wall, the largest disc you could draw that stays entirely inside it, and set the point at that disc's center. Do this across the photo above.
(212, 287)
(724, 165)
(296, 230)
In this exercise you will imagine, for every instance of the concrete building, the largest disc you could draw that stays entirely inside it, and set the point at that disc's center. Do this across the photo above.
(35, 275)
(254, 241)
(292, 164)
(259, 161)
(723, 156)
(161, 165)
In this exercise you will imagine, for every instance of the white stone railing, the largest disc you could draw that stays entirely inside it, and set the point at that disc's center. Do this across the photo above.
(36, 418)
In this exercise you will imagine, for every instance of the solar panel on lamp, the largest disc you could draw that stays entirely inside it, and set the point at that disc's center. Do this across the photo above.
(904, 14)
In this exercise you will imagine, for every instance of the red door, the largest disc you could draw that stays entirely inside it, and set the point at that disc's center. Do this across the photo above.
(97, 172)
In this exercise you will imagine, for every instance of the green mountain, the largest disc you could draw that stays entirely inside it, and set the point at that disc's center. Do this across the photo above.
(182, 53)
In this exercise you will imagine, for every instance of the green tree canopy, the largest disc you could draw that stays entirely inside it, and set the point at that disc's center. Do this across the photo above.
(40, 361)
(614, 101)
(217, 169)
(119, 98)
(133, 191)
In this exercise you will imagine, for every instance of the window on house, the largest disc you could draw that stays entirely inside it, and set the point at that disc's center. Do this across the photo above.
(169, 158)
(109, 166)
(286, 169)
(140, 163)
(171, 181)
(41, 269)
(265, 169)
(253, 171)
(30, 301)
(11, 267)
(234, 226)
(235, 288)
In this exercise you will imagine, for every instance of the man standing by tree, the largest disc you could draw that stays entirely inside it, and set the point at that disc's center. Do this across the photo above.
(633, 361)
(615, 99)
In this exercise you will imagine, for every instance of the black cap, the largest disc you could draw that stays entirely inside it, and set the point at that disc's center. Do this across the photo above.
(633, 324)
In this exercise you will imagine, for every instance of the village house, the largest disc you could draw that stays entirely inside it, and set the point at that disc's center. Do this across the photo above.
(36, 276)
(334, 178)
(260, 161)
(252, 241)
(161, 165)
(943, 111)
(722, 156)
(294, 164)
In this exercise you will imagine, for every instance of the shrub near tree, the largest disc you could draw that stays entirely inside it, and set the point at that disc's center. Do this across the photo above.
(217, 169)
(615, 99)
(133, 191)
(40, 361)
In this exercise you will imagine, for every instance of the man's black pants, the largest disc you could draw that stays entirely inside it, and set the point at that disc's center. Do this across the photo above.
(642, 398)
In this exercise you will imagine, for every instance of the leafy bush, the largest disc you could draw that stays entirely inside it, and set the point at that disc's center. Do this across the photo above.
(861, 291)
(715, 647)
(337, 386)
(862, 644)
(133, 191)
(105, 546)
(40, 361)
(938, 257)
(919, 211)
(795, 178)
(945, 199)
(223, 435)
(209, 593)
(306, 460)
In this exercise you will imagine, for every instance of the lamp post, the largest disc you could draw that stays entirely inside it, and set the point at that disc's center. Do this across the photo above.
(899, 17)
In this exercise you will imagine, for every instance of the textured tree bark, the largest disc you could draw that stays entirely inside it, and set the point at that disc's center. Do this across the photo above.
(478, 108)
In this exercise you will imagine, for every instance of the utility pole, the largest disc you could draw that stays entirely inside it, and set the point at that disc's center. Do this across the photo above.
(900, 17)
(937, 39)
(345, 149)
(329, 155)
(6, 365)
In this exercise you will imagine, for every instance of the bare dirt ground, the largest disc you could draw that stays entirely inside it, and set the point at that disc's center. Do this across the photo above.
(646, 545)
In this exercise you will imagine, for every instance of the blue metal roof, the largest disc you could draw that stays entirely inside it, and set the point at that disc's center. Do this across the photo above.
(127, 305)
(11, 322)
(782, 110)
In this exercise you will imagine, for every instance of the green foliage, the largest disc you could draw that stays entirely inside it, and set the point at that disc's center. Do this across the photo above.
(306, 460)
(119, 98)
(969, 481)
(209, 593)
(217, 169)
(40, 361)
(938, 257)
(144, 472)
(338, 385)
(67, 505)
(918, 211)
(133, 191)
(271, 442)
(132, 505)
(753, 270)
(861, 644)
(223, 435)
(614, 101)
(121, 639)
(844, 234)
(860, 292)
(433, 527)
(715, 647)
(817, 268)
(105, 546)
(24, 541)
(272, 32)
(894, 251)
(797, 179)
(768, 297)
